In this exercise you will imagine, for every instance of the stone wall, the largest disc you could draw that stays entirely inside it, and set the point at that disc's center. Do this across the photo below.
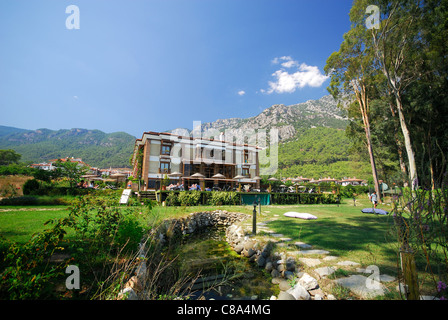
(197, 222)
(173, 229)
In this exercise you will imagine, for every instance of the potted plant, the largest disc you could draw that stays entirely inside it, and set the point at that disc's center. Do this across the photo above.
(165, 181)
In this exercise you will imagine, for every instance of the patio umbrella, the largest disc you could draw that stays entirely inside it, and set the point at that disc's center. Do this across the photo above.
(219, 176)
(271, 179)
(238, 177)
(197, 176)
(175, 174)
(200, 177)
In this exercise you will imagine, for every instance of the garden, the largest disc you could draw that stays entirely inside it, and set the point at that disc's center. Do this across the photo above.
(39, 240)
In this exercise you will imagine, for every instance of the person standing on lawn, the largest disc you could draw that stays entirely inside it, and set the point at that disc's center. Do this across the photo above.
(374, 198)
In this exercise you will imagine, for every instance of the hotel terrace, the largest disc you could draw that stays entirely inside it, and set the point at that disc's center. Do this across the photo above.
(185, 160)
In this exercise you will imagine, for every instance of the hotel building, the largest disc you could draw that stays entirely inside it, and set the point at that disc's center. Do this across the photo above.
(186, 160)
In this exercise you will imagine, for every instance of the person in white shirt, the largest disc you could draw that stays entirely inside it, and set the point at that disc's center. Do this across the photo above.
(374, 198)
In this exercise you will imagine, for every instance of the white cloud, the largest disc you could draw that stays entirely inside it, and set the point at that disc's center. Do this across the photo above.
(289, 62)
(241, 92)
(286, 82)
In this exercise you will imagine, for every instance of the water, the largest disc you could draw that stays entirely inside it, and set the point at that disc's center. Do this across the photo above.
(221, 273)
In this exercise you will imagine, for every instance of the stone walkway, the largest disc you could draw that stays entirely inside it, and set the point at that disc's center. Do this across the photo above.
(320, 264)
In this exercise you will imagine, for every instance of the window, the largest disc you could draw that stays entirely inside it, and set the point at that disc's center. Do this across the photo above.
(166, 149)
(164, 167)
(245, 171)
(246, 156)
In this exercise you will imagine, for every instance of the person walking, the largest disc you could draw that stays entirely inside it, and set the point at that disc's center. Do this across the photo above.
(374, 198)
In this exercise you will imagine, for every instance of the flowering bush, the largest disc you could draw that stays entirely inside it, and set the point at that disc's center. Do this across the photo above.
(442, 290)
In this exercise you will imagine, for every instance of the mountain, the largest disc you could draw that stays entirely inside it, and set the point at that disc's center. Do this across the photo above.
(287, 119)
(312, 140)
(4, 131)
(95, 147)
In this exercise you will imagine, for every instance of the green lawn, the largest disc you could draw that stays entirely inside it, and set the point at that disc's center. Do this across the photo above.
(342, 230)
(19, 223)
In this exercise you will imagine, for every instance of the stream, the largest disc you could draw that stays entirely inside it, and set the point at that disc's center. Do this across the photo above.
(219, 272)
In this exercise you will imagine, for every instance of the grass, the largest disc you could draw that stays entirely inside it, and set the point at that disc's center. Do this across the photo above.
(343, 230)
(18, 224)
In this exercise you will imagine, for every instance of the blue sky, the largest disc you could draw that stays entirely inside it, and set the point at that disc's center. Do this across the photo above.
(141, 65)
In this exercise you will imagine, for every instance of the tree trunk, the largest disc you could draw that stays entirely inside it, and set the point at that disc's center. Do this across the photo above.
(407, 143)
(373, 165)
(361, 96)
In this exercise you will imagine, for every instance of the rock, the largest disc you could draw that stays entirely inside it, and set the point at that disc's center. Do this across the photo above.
(239, 248)
(324, 271)
(428, 298)
(128, 294)
(299, 292)
(285, 296)
(253, 258)
(276, 280)
(330, 258)
(386, 278)
(267, 249)
(313, 251)
(290, 264)
(310, 262)
(268, 266)
(261, 261)
(284, 285)
(362, 286)
(281, 267)
(288, 275)
(134, 284)
(275, 273)
(303, 245)
(251, 252)
(347, 263)
(249, 244)
(315, 292)
(141, 270)
(308, 282)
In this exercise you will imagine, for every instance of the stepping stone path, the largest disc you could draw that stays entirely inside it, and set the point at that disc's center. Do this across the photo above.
(295, 284)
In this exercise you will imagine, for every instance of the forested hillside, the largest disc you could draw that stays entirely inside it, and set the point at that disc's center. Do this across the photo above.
(320, 152)
(95, 147)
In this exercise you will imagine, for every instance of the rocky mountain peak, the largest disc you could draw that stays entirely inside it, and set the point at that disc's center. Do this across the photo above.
(322, 112)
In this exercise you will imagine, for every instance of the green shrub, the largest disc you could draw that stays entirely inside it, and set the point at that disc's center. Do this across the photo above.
(219, 198)
(19, 201)
(30, 186)
(189, 198)
(129, 234)
(172, 199)
(26, 273)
